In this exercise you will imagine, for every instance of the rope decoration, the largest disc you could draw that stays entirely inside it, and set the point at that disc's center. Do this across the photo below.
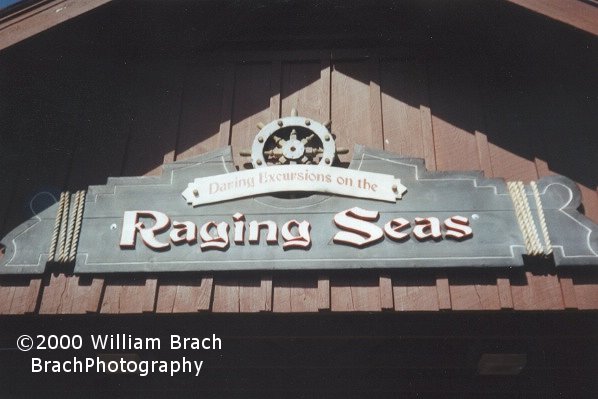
(63, 226)
(542, 218)
(56, 231)
(525, 219)
(79, 204)
(67, 228)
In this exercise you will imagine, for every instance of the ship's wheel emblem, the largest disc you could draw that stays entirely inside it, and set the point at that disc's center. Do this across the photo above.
(293, 140)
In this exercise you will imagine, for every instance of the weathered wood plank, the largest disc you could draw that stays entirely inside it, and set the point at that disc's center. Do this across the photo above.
(507, 144)
(156, 100)
(22, 208)
(415, 292)
(356, 118)
(296, 293)
(455, 115)
(404, 91)
(255, 294)
(7, 293)
(25, 299)
(574, 13)
(126, 294)
(325, 114)
(444, 292)
(503, 284)
(87, 295)
(226, 294)
(99, 154)
(484, 154)
(202, 112)
(166, 295)
(204, 126)
(44, 138)
(355, 293)
(41, 18)
(586, 290)
(350, 106)
(457, 121)
(189, 296)
(475, 291)
(157, 94)
(252, 95)
(323, 292)
(305, 87)
(568, 290)
(256, 99)
(227, 104)
(386, 295)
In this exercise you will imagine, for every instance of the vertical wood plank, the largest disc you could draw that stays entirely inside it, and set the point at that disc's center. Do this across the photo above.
(166, 295)
(428, 137)
(156, 109)
(484, 285)
(226, 295)
(253, 99)
(88, 295)
(356, 118)
(565, 280)
(42, 153)
(192, 297)
(256, 99)
(251, 105)
(204, 126)
(484, 154)
(228, 96)
(386, 294)
(325, 115)
(202, 112)
(323, 292)
(443, 291)
(586, 290)
(503, 97)
(25, 296)
(415, 291)
(505, 297)
(568, 291)
(7, 293)
(375, 99)
(99, 154)
(255, 294)
(455, 115)
(297, 293)
(350, 106)
(457, 121)
(355, 293)
(404, 91)
(38, 176)
(305, 86)
(535, 291)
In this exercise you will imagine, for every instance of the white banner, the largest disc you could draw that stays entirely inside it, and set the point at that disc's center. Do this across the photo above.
(288, 178)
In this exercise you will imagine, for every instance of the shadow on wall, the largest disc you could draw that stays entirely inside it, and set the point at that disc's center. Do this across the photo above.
(76, 109)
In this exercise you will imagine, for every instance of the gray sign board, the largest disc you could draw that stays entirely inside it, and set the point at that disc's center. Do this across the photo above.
(505, 224)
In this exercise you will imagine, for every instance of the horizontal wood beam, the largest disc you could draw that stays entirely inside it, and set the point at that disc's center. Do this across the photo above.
(37, 19)
(571, 12)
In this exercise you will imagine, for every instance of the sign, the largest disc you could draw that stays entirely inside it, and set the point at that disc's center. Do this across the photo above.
(444, 219)
(285, 178)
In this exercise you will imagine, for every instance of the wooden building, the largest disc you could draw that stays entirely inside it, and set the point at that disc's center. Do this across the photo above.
(508, 88)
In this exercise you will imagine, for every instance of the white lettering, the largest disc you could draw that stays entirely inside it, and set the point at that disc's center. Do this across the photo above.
(358, 232)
